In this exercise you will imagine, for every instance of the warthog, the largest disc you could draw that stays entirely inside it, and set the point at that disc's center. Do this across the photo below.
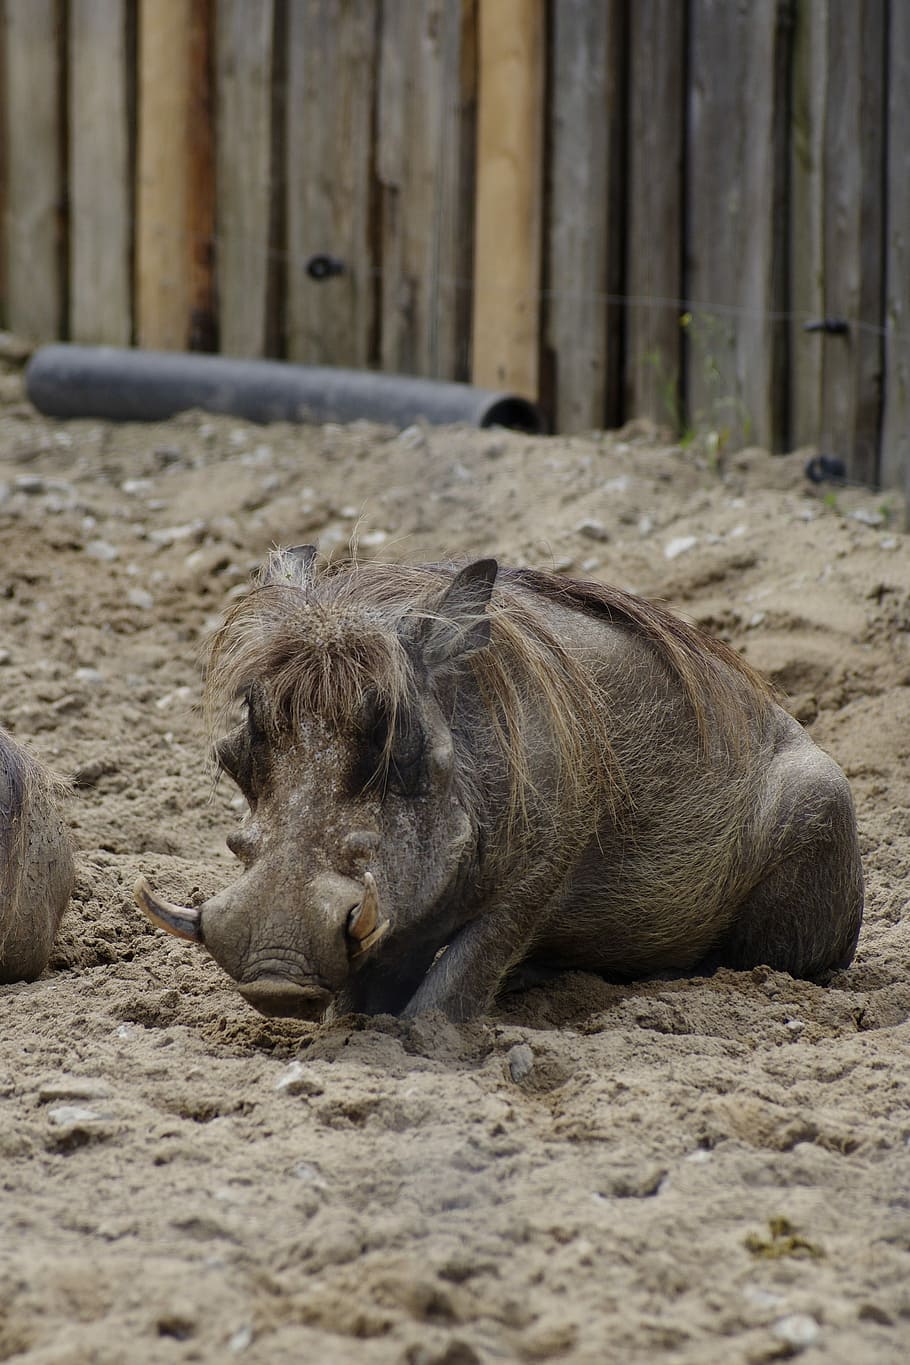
(36, 865)
(451, 773)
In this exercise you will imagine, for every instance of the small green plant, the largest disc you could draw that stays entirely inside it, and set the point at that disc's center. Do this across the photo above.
(784, 1240)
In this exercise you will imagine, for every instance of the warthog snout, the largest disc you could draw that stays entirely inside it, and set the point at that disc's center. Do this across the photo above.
(276, 996)
(284, 965)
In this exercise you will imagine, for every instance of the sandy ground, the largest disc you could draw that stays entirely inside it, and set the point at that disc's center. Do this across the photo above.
(697, 1172)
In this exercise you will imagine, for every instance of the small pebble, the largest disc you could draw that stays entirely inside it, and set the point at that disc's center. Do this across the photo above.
(762, 1298)
(680, 545)
(593, 530)
(521, 1061)
(798, 1330)
(412, 438)
(101, 549)
(179, 694)
(296, 1079)
(32, 484)
(167, 535)
(73, 1115)
(73, 1088)
(138, 597)
(306, 1171)
(90, 676)
(241, 1341)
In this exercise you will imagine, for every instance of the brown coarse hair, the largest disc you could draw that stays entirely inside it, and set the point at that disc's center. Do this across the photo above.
(30, 791)
(323, 639)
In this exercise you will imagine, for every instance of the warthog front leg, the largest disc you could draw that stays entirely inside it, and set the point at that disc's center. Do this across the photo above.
(463, 981)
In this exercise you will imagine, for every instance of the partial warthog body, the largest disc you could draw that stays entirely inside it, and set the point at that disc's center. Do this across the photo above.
(36, 865)
(451, 773)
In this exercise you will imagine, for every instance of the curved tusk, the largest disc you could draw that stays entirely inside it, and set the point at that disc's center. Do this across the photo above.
(176, 919)
(364, 925)
(365, 918)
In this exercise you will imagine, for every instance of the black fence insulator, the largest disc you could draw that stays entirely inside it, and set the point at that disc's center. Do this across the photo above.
(832, 327)
(826, 469)
(323, 267)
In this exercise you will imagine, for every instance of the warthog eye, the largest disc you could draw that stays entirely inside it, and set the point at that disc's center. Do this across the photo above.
(233, 755)
(244, 753)
(393, 760)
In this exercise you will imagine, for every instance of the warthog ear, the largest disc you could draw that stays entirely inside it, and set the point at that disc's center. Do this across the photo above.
(460, 624)
(294, 566)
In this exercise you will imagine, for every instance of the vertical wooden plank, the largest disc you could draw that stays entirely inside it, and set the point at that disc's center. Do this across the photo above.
(100, 220)
(853, 232)
(657, 74)
(424, 205)
(736, 242)
(174, 181)
(807, 237)
(332, 62)
(199, 141)
(508, 220)
(582, 116)
(34, 209)
(243, 171)
(895, 456)
(3, 185)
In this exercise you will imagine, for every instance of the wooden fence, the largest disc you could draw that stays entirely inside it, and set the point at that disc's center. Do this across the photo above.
(619, 207)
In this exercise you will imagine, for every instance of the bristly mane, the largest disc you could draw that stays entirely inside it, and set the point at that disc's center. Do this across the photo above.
(29, 789)
(323, 641)
(699, 660)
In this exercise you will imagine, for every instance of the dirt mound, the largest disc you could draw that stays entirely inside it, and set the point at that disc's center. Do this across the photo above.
(705, 1170)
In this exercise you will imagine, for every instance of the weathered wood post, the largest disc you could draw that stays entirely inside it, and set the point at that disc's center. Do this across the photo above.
(506, 324)
(174, 183)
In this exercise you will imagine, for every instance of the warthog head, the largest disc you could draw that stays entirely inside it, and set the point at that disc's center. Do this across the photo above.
(359, 817)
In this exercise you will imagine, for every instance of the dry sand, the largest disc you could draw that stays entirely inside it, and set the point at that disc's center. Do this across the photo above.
(697, 1172)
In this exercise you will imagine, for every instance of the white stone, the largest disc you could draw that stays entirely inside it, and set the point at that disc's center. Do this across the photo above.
(67, 1115)
(867, 516)
(101, 549)
(241, 1341)
(179, 694)
(679, 545)
(521, 1061)
(297, 1079)
(798, 1330)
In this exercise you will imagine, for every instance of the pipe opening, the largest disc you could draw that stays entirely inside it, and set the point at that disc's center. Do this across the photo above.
(518, 414)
